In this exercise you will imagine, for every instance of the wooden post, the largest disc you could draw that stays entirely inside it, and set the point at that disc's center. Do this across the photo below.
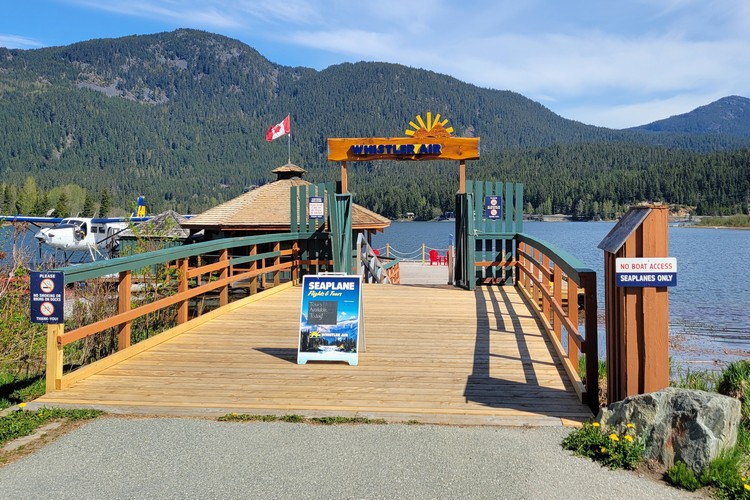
(545, 287)
(182, 306)
(344, 179)
(123, 305)
(224, 291)
(276, 263)
(591, 343)
(656, 306)
(557, 295)
(54, 358)
(637, 318)
(450, 264)
(253, 268)
(462, 177)
(573, 317)
(295, 262)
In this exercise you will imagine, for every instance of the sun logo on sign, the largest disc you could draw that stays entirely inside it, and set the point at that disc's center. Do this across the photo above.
(432, 128)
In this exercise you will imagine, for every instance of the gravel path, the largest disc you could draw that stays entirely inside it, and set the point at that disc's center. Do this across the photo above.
(188, 458)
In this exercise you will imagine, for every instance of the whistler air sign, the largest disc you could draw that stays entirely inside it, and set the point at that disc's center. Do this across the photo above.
(430, 139)
(646, 272)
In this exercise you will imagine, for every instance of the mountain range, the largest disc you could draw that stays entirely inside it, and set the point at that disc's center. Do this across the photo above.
(180, 117)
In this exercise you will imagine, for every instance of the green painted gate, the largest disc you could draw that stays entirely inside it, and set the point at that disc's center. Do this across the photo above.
(485, 247)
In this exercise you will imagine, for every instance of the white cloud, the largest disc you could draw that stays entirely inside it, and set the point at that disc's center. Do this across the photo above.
(623, 58)
(202, 14)
(18, 42)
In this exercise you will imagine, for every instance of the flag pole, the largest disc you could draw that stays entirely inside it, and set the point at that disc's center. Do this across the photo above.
(289, 142)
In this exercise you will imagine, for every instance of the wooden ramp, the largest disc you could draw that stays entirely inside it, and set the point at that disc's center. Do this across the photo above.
(435, 354)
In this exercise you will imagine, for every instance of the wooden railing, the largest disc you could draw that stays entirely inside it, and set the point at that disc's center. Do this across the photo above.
(551, 279)
(261, 263)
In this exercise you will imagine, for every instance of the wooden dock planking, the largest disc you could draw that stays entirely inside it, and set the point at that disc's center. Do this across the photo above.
(434, 353)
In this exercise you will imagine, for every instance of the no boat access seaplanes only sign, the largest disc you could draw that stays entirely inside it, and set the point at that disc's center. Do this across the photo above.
(646, 272)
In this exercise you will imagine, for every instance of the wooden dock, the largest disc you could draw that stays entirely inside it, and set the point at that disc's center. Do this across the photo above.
(434, 353)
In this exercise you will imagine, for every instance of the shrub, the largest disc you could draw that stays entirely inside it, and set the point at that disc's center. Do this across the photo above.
(611, 448)
(681, 476)
(723, 474)
(735, 382)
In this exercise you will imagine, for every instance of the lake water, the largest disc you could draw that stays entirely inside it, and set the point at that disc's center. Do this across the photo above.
(709, 308)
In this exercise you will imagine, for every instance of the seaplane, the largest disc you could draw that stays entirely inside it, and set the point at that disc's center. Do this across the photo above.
(82, 234)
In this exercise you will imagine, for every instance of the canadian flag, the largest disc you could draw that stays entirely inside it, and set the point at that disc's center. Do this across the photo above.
(278, 130)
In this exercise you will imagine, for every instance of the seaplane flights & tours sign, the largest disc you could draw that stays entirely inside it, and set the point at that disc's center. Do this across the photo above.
(330, 318)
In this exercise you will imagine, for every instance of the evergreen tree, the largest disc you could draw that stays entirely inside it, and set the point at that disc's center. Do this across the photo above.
(88, 206)
(61, 207)
(105, 202)
(28, 196)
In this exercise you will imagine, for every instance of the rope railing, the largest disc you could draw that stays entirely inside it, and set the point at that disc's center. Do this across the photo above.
(420, 254)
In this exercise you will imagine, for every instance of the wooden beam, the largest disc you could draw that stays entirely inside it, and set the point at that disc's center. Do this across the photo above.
(54, 358)
(462, 177)
(344, 179)
(123, 306)
(403, 148)
(223, 275)
(182, 306)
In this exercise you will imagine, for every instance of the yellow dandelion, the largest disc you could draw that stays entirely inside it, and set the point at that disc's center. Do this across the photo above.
(604, 450)
(614, 437)
(234, 414)
(631, 426)
(22, 405)
(629, 439)
(595, 424)
(743, 478)
(747, 487)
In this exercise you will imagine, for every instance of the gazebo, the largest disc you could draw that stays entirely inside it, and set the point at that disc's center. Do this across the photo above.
(266, 209)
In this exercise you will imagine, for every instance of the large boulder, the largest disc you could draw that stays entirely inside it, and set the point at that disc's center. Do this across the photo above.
(678, 424)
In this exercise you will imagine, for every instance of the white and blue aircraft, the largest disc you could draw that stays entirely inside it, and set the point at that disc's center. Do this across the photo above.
(71, 234)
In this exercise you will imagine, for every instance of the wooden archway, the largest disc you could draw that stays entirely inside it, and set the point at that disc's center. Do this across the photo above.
(430, 140)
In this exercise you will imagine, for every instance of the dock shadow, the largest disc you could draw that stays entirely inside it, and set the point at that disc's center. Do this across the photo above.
(528, 396)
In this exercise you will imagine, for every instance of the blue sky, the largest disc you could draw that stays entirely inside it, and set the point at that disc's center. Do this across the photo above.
(614, 63)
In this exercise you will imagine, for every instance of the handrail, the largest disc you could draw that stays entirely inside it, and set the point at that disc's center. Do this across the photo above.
(98, 269)
(200, 268)
(371, 268)
(544, 272)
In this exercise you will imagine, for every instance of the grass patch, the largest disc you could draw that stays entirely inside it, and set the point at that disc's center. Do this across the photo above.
(23, 423)
(730, 221)
(702, 380)
(14, 389)
(299, 419)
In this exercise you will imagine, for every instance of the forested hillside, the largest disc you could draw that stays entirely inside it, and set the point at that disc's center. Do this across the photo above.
(181, 117)
(728, 116)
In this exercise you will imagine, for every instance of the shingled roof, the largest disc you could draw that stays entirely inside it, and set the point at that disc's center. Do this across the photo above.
(266, 208)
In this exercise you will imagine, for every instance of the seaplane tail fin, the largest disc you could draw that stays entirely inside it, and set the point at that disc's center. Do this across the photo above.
(140, 207)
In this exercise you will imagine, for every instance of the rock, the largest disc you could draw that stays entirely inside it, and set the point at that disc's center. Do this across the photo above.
(678, 424)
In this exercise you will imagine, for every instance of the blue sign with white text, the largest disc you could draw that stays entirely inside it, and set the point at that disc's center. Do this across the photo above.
(47, 297)
(493, 207)
(329, 318)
